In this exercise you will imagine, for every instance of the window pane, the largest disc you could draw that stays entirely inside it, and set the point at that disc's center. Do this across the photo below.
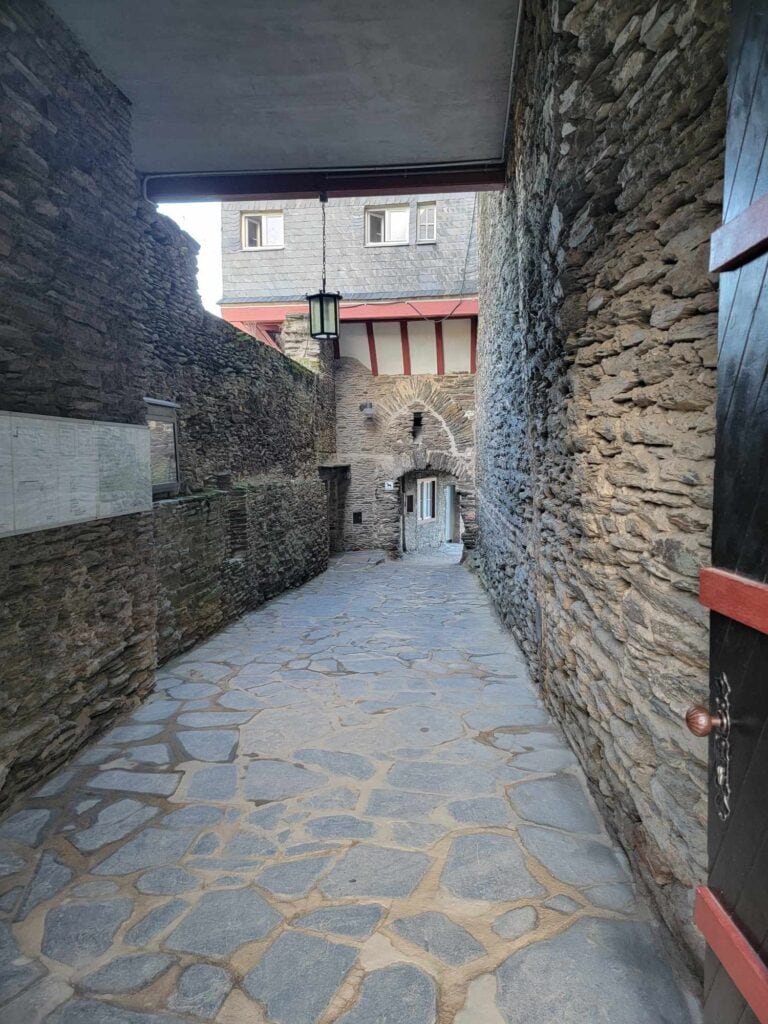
(397, 225)
(274, 226)
(427, 219)
(253, 232)
(162, 451)
(375, 227)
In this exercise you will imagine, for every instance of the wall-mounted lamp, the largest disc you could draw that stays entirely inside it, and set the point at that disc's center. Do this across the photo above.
(367, 409)
(323, 305)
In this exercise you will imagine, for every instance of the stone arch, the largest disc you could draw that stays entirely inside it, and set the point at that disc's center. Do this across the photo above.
(415, 392)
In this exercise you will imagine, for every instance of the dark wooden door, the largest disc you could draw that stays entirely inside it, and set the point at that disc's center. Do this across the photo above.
(733, 910)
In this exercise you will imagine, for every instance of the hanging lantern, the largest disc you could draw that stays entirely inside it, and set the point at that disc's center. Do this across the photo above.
(323, 305)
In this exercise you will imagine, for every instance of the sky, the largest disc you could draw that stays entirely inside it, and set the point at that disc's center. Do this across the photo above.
(203, 222)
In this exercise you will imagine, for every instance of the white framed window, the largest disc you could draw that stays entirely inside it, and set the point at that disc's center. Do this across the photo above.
(426, 222)
(426, 499)
(388, 225)
(262, 230)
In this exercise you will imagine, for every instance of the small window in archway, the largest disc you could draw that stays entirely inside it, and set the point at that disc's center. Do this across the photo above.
(418, 423)
(427, 490)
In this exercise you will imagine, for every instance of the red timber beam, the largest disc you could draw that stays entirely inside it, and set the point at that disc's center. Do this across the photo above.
(406, 346)
(745, 968)
(735, 596)
(372, 348)
(440, 347)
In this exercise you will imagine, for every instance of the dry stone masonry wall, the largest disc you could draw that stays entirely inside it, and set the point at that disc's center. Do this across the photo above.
(596, 379)
(99, 309)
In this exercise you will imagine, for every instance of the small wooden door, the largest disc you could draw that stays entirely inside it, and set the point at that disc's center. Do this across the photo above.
(732, 911)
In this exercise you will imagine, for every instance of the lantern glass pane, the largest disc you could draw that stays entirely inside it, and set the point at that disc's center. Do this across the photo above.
(330, 314)
(315, 314)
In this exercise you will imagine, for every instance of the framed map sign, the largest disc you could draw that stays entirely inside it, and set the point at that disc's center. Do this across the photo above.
(56, 471)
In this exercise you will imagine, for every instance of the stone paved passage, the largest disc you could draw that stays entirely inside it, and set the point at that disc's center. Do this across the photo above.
(348, 807)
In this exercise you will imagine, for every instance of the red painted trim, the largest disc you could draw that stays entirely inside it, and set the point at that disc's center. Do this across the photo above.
(743, 964)
(440, 348)
(405, 342)
(351, 310)
(740, 239)
(372, 348)
(473, 346)
(733, 595)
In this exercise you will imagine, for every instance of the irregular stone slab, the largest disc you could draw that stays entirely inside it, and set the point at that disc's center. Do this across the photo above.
(267, 817)
(155, 711)
(16, 971)
(441, 778)
(114, 822)
(611, 971)
(376, 871)
(150, 753)
(76, 933)
(88, 1011)
(166, 881)
(546, 760)
(193, 691)
(483, 811)
(240, 700)
(340, 826)
(97, 754)
(57, 784)
(156, 921)
(562, 904)
(293, 878)
(520, 714)
(50, 877)
(321, 965)
(210, 671)
(338, 763)
(222, 921)
(439, 936)
(34, 1005)
(132, 733)
(338, 799)
(612, 897)
(209, 843)
(158, 784)
(576, 860)
(420, 836)
(218, 782)
(395, 995)
(391, 803)
(405, 727)
(213, 719)
(247, 844)
(9, 899)
(356, 921)
(201, 990)
(10, 863)
(194, 816)
(25, 827)
(488, 867)
(149, 849)
(210, 744)
(560, 802)
(127, 973)
(274, 780)
(516, 922)
(94, 888)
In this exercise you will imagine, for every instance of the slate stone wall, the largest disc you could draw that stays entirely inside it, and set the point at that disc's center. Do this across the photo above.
(384, 448)
(98, 309)
(596, 380)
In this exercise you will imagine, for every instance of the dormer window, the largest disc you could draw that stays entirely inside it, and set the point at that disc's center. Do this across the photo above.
(426, 220)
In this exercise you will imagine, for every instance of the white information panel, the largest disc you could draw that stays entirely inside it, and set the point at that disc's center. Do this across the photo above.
(57, 471)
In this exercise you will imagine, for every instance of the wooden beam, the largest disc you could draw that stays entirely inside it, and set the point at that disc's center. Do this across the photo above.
(741, 239)
(406, 346)
(372, 348)
(742, 963)
(735, 596)
(366, 181)
(440, 347)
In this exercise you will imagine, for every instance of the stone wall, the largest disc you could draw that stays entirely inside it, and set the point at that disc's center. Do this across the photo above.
(383, 447)
(98, 309)
(596, 381)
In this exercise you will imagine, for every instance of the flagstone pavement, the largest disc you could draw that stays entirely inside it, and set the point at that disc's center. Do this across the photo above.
(349, 807)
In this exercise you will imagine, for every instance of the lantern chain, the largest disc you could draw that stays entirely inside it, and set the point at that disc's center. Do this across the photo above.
(323, 202)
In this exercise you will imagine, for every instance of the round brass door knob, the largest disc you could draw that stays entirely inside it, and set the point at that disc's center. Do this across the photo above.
(700, 722)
